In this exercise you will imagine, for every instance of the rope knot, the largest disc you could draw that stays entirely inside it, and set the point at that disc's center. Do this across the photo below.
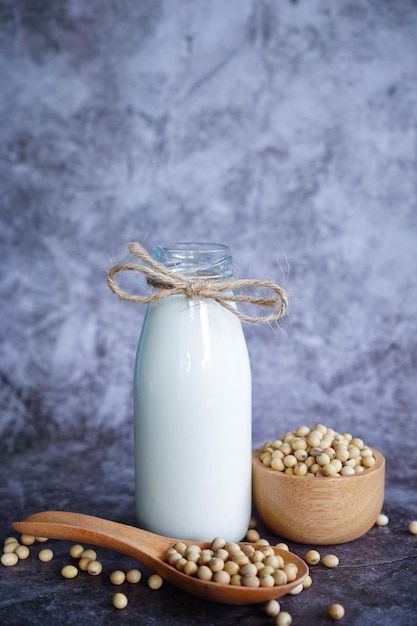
(168, 284)
(193, 289)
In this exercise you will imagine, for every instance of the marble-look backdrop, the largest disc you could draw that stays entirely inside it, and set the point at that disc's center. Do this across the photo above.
(285, 129)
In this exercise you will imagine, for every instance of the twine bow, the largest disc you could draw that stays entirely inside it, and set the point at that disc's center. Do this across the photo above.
(169, 283)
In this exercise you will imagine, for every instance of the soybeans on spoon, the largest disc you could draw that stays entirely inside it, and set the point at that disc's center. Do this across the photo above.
(149, 549)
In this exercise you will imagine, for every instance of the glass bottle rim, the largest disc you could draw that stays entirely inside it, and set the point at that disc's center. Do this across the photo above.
(196, 260)
(199, 246)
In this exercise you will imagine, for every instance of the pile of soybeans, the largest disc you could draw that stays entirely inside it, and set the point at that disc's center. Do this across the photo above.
(319, 451)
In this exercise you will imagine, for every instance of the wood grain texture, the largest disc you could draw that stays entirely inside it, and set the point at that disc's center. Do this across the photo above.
(309, 509)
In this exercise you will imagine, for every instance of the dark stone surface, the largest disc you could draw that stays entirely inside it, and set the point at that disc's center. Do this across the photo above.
(375, 580)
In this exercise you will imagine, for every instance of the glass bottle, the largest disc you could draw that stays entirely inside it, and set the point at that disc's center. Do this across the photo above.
(192, 405)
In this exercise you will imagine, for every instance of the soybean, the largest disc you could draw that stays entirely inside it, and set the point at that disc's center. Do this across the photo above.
(330, 560)
(83, 563)
(27, 540)
(249, 568)
(89, 554)
(94, 568)
(217, 543)
(22, 552)
(222, 577)
(9, 559)
(312, 557)
(280, 577)
(296, 590)
(335, 611)
(412, 527)
(10, 546)
(204, 572)
(249, 580)
(180, 547)
(382, 520)
(253, 535)
(266, 580)
(231, 568)
(45, 555)
(155, 581)
(300, 469)
(190, 568)
(133, 576)
(180, 564)
(76, 551)
(283, 619)
(307, 582)
(291, 570)
(120, 601)
(236, 580)
(272, 608)
(69, 571)
(117, 577)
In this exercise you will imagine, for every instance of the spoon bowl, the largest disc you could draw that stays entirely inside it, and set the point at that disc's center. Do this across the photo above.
(149, 549)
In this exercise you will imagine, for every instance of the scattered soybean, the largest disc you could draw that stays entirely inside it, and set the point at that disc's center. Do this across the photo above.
(22, 552)
(272, 608)
(46, 555)
(76, 551)
(330, 560)
(9, 559)
(94, 568)
(117, 577)
(69, 571)
(133, 576)
(27, 540)
(283, 619)
(312, 557)
(155, 581)
(120, 601)
(335, 611)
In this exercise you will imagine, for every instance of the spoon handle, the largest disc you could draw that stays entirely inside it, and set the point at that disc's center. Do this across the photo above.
(139, 544)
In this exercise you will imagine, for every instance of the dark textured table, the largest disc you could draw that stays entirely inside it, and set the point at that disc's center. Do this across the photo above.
(375, 580)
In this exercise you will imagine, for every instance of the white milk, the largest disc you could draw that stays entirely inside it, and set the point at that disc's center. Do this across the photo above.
(192, 400)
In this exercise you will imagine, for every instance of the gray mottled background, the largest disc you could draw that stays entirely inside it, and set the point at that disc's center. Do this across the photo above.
(285, 129)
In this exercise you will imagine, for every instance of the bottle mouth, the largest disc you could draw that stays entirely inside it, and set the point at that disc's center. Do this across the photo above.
(198, 261)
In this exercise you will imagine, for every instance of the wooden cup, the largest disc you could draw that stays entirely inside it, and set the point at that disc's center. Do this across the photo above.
(318, 510)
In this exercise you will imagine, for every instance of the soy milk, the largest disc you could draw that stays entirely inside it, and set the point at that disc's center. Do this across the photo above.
(192, 401)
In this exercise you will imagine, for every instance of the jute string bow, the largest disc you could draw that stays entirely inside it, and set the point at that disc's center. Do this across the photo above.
(169, 283)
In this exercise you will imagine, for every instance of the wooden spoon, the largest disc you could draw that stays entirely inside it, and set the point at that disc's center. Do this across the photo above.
(149, 549)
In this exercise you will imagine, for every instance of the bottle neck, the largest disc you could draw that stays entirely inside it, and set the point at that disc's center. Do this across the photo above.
(197, 261)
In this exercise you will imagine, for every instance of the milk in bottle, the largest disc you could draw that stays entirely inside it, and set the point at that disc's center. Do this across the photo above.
(192, 405)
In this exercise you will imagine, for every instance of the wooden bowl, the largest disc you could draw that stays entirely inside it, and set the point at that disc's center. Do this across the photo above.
(318, 510)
